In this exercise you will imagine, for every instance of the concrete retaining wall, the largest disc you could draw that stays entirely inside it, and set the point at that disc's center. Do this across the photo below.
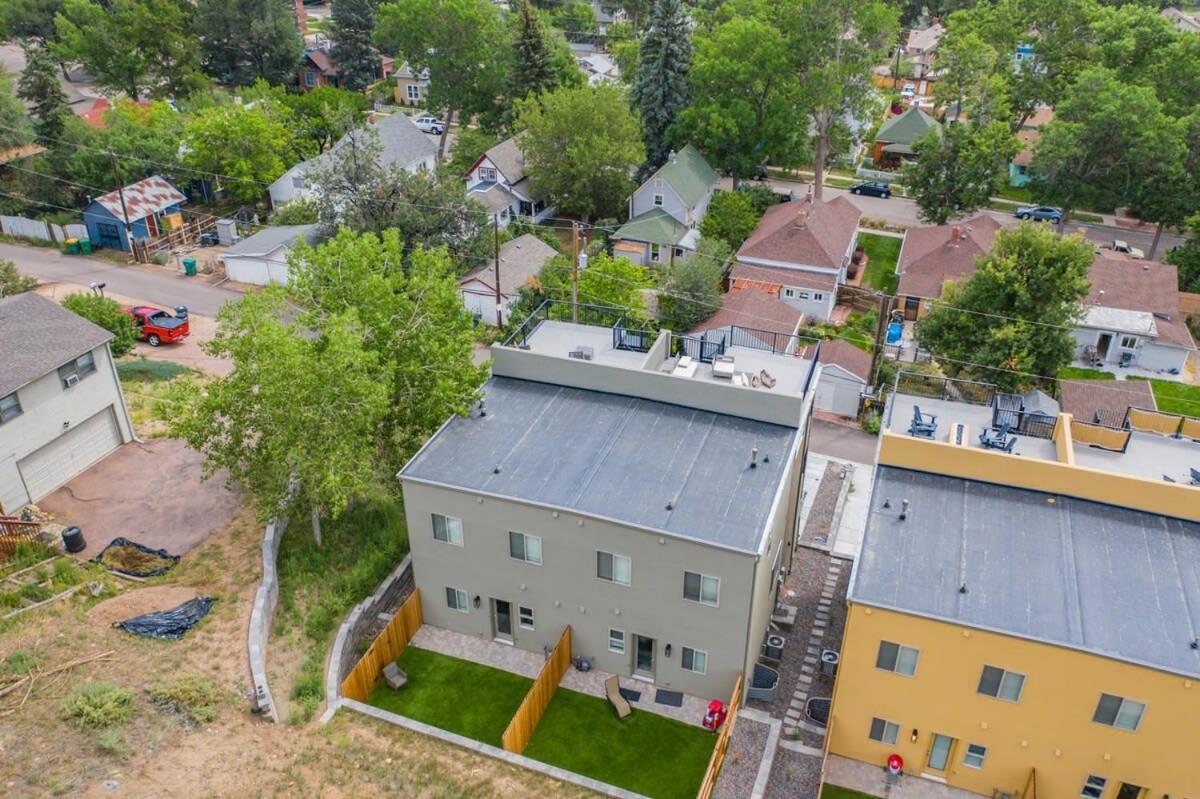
(262, 615)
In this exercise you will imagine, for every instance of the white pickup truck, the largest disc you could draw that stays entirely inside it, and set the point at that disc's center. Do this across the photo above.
(1125, 247)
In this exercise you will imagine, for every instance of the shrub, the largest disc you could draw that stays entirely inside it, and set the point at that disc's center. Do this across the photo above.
(192, 696)
(872, 423)
(149, 371)
(761, 196)
(731, 217)
(301, 211)
(109, 315)
(13, 282)
(98, 705)
(112, 742)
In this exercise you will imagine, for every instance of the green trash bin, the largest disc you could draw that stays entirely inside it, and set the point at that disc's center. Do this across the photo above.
(85, 246)
(189, 267)
(73, 246)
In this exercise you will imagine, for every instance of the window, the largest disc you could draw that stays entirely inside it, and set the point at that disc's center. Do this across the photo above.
(701, 588)
(413, 91)
(447, 529)
(658, 200)
(790, 293)
(525, 547)
(694, 660)
(654, 253)
(818, 295)
(10, 407)
(456, 599)
(900, 659)
(975, 755)
(1129, 342)
(678, 252)
(487, 173)
(1006, 685)
(884, 731)
(71, 373)
(525, 617)
(310, 78)
(1118, 712)
(298, 181)
(616, 641)
(1093, 788)
(614, 568)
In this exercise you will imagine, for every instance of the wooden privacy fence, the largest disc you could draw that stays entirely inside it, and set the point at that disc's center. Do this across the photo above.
(525, 720)
(13, 531)
(718, 755)
(385, 649)
(1189, 303)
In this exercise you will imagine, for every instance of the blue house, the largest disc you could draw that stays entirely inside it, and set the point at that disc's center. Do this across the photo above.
(143, 210)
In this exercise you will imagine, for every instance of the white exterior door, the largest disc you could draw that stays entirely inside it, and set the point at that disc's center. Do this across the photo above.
(76, 449)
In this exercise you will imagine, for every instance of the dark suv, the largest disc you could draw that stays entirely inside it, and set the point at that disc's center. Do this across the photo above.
(873, 189)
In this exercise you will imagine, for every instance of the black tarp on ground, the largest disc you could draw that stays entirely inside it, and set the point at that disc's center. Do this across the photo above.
(125, 542)
(171, 623)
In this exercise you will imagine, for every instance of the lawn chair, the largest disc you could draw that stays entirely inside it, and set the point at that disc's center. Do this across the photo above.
(612, 689)
(923, 425)
(767, 379)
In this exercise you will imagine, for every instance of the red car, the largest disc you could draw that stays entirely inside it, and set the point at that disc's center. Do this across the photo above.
(156, 326)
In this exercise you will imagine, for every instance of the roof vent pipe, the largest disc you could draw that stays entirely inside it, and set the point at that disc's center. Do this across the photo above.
(962, 589)
(754, 458)
(903, 509)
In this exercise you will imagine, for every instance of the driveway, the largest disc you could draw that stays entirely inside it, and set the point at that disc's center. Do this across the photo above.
(150, 492)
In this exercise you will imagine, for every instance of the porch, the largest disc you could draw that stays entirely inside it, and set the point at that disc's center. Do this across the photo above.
(873, 780)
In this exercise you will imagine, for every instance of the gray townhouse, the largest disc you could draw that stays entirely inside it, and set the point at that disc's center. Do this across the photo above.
(665, 211)
(648, 501)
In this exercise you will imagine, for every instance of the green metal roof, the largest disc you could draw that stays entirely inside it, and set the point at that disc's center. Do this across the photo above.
(689, 175)
(908, 127)
(655, 226)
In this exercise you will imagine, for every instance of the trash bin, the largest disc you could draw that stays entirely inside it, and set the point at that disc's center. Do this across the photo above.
(189, 267)
(85, 246)
(72, 538)
(73, 246)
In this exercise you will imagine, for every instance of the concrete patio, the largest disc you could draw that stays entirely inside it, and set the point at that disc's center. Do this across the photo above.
(528, 664)
(871, 779)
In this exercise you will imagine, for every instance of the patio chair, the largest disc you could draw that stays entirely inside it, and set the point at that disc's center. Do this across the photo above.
(722, 366)
(612, 689)
(924, 425)
(1195, 477)
(768, 380)
(394, 676)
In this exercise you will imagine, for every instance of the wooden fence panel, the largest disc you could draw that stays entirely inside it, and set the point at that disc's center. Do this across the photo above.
(718, 756)
(1189, 303)
(13, 532)
(525, 720)
(385, 649)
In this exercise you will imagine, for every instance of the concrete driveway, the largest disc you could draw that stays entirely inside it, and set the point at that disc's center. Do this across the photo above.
(149, 492)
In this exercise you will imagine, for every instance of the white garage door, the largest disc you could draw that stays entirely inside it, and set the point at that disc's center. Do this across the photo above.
(66, 456)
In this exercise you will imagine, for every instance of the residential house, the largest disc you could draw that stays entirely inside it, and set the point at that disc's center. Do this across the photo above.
(317, 68)
(498, 180)
(61, 408)
(1104, 401)
(895, 138)
(1024, 622)
(94, 113)
(931, 257)
(1187, 21)
(599, 68)
(1131, 316)
(799, 253)
(845, 377)
(402, 146)
(261, 258)
(1024, 57)
(521, 260)
(921, 48)
(1030, 132)
(757, 314)
(143, 210)
(412, 88)
(636, 496)
(665, 211)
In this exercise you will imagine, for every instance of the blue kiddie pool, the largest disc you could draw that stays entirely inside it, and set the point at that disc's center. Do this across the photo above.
(895, 330)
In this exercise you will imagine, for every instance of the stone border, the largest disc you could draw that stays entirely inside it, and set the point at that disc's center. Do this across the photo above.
(262, 615)
(336, 666)
(490, 751)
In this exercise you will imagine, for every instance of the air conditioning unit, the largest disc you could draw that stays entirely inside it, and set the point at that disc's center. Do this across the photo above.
(71, 379)
(773, 648)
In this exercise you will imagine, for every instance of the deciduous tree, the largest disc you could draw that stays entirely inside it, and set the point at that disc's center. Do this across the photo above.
(691, 292)
(960, 169)
(108, 314)
(246, 147)
(147, 139)
(325, 114)
(577, 20)
(660, 89)
(13, 282)
(15, 127)
(731, 218)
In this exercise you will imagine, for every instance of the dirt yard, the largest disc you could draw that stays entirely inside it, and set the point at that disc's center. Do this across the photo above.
(153, 754)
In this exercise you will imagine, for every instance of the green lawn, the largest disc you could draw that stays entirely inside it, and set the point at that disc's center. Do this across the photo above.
(646, 753)
(882, 254)
(456, 695)
(1017, 194)
(837, 792)
(1172, 397)
(1083, 373)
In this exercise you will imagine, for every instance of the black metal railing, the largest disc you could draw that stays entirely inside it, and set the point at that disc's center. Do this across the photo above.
(767, 340)
(1009, 409)
(635, 339)
(945, 388)
(704, 348)
(566, 311)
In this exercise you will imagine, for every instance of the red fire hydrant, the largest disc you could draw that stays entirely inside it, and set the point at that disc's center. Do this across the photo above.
(715, 715)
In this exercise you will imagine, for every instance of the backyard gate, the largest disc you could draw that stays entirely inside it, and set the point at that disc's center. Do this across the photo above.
(385, 649)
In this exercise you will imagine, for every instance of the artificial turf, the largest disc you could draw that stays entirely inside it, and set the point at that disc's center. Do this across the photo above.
(882, 254)
(454, 694)
(644, 752)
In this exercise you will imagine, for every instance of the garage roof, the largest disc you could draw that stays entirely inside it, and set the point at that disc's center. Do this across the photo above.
(37, 336)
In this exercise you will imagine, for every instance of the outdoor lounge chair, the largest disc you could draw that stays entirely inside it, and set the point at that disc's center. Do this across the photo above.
(767, 379)
(1000, 439)
(722, 366)
(394, 676)
(612, 689)
(924, 425)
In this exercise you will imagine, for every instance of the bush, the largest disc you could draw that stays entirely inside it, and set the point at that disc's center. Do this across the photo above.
(109, 315)
(872, 423)
(13, 282)
(761, 196)
(301, 211)
(150, 371)
(112, 743)
(192, 696)
(98, 705)
(731, 217)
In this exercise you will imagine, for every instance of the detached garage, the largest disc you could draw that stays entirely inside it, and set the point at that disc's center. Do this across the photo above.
(845, 375)
(262, 258)
(61, 408)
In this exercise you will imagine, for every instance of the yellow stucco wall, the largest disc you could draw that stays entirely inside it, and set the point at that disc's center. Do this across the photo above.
(1050, 728)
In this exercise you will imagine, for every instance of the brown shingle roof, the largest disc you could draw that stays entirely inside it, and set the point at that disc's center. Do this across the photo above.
(753, 309)
(1107, 400)
(807, 232)
(520, 259)
(930, 255)
(782, 276)
(1149, 286)
(844, 354)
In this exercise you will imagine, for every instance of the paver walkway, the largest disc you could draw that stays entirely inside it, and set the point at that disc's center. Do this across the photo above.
(871, 779)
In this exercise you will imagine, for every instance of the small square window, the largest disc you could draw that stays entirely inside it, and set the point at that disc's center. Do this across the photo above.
(658, 200)
(1002, 684)
(487, 174)
(678, 252)
(1129, 342)
(1093, 787)
(616, 641)
(818, 295)
(897, 658)
(525, 547)
(613, 568)
(975, 755)
(884, 731)
(1116, 711)
(447, 529)
(10, 407)
(701, 588)
(73, 372)
(525, 617)
(693, 660)
(456, 599)
(414, 92)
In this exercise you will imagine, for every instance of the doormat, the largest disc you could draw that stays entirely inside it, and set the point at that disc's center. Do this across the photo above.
(669, 698)
(630, 694)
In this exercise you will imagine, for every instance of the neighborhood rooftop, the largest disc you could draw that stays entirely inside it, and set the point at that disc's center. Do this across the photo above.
(806, 231)
(587, 451)
(1116, 582)
(272, 238)
(688, 174)
(141, 199)
(38, 335)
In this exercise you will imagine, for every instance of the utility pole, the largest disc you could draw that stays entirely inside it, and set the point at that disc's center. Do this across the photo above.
(120, 192)
(499, 301)
(575, 272)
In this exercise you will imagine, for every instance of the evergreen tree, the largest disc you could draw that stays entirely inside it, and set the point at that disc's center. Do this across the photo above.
(354, 54)
(533, 67)
(245, 40)
(39, 86)
(660, 89)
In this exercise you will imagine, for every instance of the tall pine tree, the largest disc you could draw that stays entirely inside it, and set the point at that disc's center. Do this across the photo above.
(354, 53)
(660, 89)
(245, 40)
(39, 86)
(533, 61)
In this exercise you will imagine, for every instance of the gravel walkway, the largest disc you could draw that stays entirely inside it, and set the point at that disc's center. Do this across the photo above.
(794, 776)
(742, 760)
(820, 515)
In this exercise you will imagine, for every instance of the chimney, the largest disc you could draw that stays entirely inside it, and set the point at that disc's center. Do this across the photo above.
(955, 235)
(801, 217)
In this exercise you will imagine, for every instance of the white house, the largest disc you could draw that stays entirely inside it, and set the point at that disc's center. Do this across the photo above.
(262, 258)
(665, 210)
(61, 407)
(497, 179)
(402, 145)
(520, 259)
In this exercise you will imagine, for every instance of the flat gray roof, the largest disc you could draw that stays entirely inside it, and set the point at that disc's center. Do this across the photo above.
(1116, 582)
(37, 336)
(614, 456)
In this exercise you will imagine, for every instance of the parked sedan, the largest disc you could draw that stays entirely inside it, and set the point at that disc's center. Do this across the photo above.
(430, 124)
(1040, 213)
(873, 189)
